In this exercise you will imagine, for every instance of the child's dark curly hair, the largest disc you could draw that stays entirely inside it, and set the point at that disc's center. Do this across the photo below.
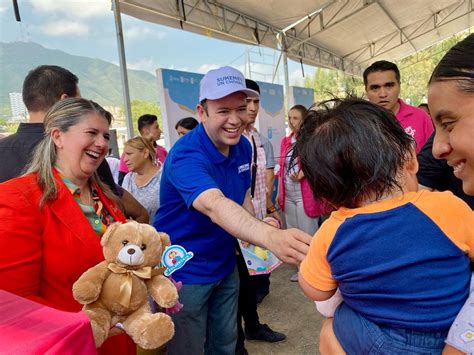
(352, 151)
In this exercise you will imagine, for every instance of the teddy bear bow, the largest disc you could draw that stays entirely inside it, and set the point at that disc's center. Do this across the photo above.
(126, 287)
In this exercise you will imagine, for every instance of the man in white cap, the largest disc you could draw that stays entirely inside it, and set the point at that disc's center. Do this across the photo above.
(205, 204)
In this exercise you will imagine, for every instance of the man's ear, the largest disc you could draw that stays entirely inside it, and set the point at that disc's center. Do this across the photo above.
(201, 112)
(146, 133)
(63, 96)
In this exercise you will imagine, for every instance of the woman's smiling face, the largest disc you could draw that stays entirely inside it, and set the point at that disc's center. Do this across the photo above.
(83, 147)
(452, 110)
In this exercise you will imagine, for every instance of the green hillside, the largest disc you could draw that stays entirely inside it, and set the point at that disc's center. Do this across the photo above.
(98, 80)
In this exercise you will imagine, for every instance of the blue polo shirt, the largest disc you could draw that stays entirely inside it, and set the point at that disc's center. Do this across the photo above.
(193, 166)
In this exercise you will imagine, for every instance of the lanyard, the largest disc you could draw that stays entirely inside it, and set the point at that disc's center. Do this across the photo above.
(254, 169)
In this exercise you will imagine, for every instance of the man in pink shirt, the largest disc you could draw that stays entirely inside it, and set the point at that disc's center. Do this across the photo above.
(382, 86)
(148, 128)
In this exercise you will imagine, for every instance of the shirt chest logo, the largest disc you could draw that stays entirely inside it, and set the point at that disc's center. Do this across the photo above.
(410, 131)
(243, 167)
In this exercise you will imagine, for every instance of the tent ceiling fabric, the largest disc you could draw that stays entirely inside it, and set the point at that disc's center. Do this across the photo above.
(343, 34)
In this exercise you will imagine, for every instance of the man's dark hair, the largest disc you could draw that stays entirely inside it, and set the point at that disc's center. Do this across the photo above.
(250, 84)
(424, 105)
(146, 120)
(187, 122)
(458, 65)
(381, 65)
(44, 85)
(352, 152)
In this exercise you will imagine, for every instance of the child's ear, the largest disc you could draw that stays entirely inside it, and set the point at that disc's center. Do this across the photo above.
(410, 170)
(411, 164)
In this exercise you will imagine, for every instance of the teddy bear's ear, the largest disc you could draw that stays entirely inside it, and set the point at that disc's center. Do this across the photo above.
(109, 231)
(165, 239)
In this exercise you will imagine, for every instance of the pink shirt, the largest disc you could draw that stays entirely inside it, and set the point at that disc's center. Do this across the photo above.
(312, 208)
(161, 155)
(416, 123)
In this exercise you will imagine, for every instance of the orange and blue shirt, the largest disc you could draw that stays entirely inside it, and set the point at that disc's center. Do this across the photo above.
(402, 262)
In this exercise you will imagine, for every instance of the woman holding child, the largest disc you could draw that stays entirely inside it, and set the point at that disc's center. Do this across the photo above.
(54, 215)
(451, 101)
(403, 283)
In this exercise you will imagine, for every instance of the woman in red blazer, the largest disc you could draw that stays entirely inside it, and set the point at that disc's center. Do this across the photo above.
(52, 218)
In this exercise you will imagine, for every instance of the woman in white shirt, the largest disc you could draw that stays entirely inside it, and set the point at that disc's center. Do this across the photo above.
(144, 177)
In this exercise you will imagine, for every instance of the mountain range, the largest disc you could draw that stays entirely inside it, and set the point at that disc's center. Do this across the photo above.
(98, 80)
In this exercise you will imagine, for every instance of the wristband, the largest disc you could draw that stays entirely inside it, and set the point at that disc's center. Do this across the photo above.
(271, 209)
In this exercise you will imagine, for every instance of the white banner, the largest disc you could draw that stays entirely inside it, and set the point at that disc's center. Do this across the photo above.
(301, 96)
(271, 117)
(178, 97)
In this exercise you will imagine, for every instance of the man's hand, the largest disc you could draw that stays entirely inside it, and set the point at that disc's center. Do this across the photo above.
(289, 245)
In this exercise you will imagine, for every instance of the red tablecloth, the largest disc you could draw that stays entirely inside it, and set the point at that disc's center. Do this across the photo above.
(27, 327)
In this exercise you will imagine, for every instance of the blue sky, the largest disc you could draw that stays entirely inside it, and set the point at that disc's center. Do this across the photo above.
(86, 28)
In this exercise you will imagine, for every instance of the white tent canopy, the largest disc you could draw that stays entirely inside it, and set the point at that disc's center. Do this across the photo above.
(347, 35)
(343, 34)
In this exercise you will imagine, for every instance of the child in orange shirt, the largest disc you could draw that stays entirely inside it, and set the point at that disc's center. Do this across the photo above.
(399, 257)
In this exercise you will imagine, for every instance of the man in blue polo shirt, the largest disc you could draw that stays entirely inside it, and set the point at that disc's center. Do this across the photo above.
(205, 183)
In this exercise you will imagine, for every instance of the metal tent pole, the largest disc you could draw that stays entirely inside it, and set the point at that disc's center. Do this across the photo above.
(123, 67)
(282, 40)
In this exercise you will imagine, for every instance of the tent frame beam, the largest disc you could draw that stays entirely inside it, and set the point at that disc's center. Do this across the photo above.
(226, 19)
(429, 24)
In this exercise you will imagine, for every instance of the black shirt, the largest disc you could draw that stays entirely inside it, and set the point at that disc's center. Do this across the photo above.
(438, 175)
(17, 149)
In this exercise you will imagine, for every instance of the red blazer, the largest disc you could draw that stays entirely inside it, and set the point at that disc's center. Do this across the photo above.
(47, 249)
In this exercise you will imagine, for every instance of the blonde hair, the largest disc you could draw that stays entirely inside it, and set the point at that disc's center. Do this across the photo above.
(63, 115)
(141, 144)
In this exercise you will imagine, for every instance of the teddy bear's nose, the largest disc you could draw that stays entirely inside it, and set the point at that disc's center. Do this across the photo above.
(131, 251)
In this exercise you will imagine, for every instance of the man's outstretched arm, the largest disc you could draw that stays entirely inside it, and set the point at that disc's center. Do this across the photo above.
(290, 245)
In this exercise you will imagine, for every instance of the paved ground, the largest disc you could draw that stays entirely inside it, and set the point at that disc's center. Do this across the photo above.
(288, 310)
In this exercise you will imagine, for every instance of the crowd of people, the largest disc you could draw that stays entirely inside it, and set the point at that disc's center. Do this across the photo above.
(374, 202)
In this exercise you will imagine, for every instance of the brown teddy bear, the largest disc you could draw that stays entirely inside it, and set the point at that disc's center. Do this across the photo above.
(119, 286)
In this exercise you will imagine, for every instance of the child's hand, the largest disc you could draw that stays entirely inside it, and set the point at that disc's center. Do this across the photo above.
(272, 221)
(300, 175)
(297, 176)
(294, 177)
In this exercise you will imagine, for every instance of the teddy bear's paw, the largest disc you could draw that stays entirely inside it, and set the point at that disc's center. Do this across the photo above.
(158, 331)
(100, 333)
(168, 302)
(87, 293)
(167, 298)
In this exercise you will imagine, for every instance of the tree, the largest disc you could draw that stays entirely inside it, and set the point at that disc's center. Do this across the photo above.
(140, 108)
(415, 72)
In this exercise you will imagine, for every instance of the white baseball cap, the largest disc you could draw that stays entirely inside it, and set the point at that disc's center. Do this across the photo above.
(221, 82)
